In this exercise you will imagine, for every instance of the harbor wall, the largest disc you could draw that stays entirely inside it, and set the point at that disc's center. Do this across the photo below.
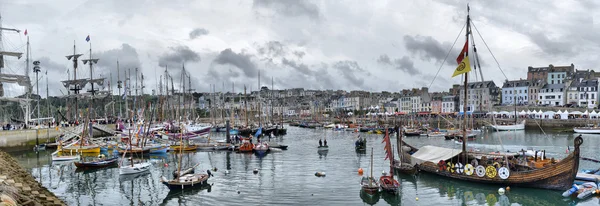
(15, 140)
(21, 186)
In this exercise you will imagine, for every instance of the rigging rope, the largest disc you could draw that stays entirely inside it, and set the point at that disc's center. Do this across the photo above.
(447, 54)
(486, 46)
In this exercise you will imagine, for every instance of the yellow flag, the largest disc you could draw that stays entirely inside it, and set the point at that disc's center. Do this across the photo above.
(463, 67)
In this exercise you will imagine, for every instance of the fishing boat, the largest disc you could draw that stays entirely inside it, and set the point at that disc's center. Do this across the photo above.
(509, 127)
(246, 146)
(261, 148)
(456, 135)
(412, 132)
(99, 162)
(158, 149)
(185, 181)
(436, 134)
(501, 169)
(323, 148)
(57, 157)
(404, 151)
(186, 147)
(132, 168)
(387, 182)
(361, 144)
(369, 184)
(81, 148)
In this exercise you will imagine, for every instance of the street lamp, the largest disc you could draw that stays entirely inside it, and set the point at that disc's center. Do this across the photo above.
(37, 70)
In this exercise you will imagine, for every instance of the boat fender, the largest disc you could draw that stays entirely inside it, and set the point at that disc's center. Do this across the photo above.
(360, 171)
(501, 191)
(450, 167)
(442, 165)
(459, 168)
(504, 173)
(320, 174)
(255, 171)
(469, 169)
(490, 171)
(480, 171)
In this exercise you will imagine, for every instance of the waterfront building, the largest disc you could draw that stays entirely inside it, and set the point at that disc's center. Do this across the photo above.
(552, 95)
(448, 104)
(515, 92)
(534, 89)
(436, 103)
(587, 92)
(482, 95)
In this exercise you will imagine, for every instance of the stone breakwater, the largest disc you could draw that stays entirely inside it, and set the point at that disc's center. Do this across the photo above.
(18, 185)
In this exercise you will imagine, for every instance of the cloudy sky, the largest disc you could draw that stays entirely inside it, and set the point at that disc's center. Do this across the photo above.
(352, 45)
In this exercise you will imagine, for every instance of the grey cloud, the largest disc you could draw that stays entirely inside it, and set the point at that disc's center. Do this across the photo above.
(177, 56)
(56, 73)
(273, 49)
(294, 8)
(302, 68)
(349, 70)
(197, 32)
(404, 64)
(299, 54)
(239, 60)
(384, 59)
(428, 48)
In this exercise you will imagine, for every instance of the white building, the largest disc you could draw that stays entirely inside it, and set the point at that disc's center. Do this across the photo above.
(448, 104)
(552, 95)
(515, 92)
(481, 96)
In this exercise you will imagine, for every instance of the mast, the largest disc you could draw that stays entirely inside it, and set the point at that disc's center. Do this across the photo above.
(246, 106)
(464, 142)
(259, 102)
(93, 91)
(119, 87)
(371, 174)
(48, 107)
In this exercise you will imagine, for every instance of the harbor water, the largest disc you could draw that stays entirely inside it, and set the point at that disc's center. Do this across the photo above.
(288, 177)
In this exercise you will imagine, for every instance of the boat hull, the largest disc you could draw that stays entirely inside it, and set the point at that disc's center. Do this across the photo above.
(84, 149)
(65, 158)
(97, 164)
(520, 126)
(136, 168)
(557, 176)
(389, 184)
(323, 148)
(586, 130)
(199, 181)
(159, 150)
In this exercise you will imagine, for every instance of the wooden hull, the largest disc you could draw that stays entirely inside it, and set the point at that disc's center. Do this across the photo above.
(558, 176)
(136, 168)
(177, 148)
(194, 181)
(587, 130)
(84, 149)
(389, 184)
(520, 126)
(97, 164)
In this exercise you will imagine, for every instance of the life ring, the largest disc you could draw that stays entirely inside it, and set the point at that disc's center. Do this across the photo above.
(442, 165)
(474, 162)
(469, 169)
(450, 167)
(459, 168)
(490, 171)
(504, 173)
(480, 171)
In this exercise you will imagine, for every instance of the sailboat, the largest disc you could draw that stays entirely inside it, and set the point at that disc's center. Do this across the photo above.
(369, 184)
(387, 182)
(511, 126)
(56, 157)
(183, 180)
(496, 168)
(133, 168)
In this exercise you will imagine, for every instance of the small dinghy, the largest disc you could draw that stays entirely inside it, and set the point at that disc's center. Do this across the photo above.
(323, 148)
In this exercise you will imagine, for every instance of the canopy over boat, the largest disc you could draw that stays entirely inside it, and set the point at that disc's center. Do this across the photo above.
(433, 154)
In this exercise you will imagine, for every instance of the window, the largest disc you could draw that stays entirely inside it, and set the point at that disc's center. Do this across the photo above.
(552, 82)
(552, 76)
(592, 95)
(559, 96)
(561, 89)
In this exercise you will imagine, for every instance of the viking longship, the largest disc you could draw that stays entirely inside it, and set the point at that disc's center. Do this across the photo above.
(505, 169)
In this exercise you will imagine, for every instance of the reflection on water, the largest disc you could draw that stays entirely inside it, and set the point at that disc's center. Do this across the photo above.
(287, 177)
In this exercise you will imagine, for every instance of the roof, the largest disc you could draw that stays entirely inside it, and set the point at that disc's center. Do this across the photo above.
(485, 84)
(516, 83)
(553, 86)
(585, 83)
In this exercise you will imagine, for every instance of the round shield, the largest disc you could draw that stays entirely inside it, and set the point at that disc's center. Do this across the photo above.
(490, 171)
(459, 168)
(480, 170)
(469, 169)
(504, 173)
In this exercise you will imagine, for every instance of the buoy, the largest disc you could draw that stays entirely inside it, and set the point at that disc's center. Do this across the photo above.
(320, 174)
(383, 173)
(226, 171)
(238, 192)
(417, 198)
(508, 189)
(360, 171)
(255, 171)
(215, 169)
(166, 165)
(501, 191)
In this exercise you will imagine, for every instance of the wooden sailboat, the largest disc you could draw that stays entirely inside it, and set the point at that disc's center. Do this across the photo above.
(510, 126)
(387, 182)
(185, 181)
(57, 157)
(133, 168)
(369, 184)
(496, 168)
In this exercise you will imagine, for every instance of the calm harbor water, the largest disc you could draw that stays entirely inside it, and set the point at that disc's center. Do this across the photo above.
(288, 177)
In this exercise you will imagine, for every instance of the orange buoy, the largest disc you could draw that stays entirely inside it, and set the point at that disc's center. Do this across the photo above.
(360, 171)
(507, 189)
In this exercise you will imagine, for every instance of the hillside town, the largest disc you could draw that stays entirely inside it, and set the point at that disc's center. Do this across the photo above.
(550, 86)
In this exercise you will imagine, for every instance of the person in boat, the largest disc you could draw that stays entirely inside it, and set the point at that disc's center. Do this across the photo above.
(320, 143)
(325, 142)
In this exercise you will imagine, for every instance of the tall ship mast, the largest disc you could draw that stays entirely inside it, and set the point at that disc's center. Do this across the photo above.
(21, 80)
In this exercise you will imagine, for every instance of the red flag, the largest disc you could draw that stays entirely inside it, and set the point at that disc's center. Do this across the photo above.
(463, 52)
(25, 32)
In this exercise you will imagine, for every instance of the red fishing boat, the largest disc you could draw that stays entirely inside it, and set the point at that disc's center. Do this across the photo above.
(387, 182)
